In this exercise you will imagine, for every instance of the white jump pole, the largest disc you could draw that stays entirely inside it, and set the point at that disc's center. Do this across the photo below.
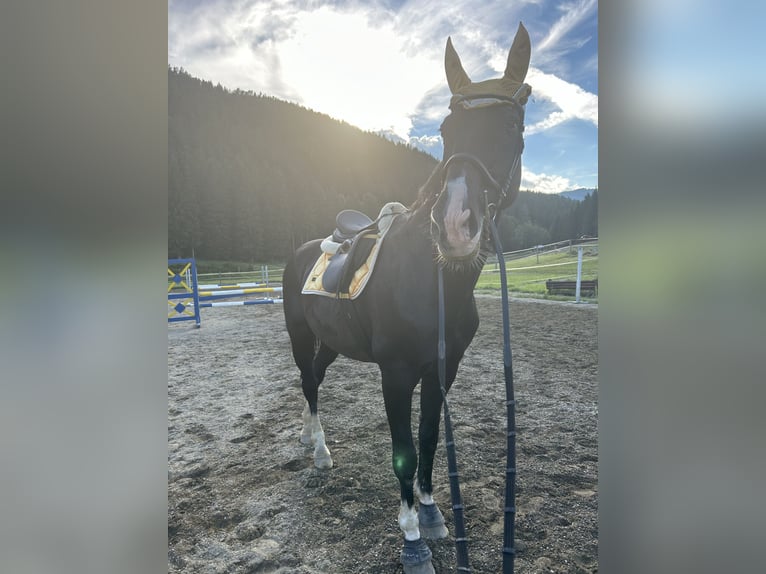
(579, 274)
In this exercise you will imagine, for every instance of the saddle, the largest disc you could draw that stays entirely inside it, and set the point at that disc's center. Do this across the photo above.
(352, 250)
(349, 254)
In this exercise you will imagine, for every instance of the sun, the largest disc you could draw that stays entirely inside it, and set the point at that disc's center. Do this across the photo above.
(343, 66)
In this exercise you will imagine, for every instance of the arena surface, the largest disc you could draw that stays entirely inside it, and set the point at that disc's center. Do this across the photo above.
(244, 497)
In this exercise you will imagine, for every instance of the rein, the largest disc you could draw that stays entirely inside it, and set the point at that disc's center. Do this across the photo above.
(509, 510)
(461, 541)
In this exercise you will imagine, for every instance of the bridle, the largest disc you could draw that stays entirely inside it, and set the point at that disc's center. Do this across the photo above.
(492, 208)
(509, 512)
(518, 100)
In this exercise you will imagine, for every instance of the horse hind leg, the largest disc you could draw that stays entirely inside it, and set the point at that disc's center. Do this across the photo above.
(305, 353)
(312, 432)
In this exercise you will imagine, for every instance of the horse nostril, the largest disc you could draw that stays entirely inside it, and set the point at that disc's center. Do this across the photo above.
(463, 220)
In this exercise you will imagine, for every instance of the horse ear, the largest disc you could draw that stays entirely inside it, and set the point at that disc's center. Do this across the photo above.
(518, 57)
(456, 76)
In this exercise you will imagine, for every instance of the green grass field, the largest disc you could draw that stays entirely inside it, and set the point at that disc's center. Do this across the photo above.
(528, 275)
(228, 272)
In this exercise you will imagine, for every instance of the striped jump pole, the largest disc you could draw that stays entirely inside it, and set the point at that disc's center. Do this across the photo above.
(223, 293)
(186, 296)
(245, 285)
(238, 303)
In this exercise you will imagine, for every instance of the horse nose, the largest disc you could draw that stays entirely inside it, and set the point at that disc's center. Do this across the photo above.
(456, 217)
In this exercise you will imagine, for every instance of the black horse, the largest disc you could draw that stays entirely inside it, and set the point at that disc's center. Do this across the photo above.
(393, 322)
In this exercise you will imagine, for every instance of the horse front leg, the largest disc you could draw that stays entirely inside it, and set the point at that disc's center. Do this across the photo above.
(398, 385)
(429, 516)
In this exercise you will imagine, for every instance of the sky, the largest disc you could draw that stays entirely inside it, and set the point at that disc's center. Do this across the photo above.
(380, 66)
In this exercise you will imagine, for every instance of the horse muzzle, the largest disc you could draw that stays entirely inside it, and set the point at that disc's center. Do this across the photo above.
(456, 228)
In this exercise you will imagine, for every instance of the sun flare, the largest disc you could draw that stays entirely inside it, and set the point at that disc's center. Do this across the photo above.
(355, 71)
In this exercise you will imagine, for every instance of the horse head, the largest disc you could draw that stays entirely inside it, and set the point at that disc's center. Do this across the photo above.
(480, 171)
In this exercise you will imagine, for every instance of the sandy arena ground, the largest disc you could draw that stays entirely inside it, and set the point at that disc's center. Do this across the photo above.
(244, 496)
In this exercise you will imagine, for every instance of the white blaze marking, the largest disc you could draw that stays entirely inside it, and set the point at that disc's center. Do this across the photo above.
(455, 217)
(456, 225)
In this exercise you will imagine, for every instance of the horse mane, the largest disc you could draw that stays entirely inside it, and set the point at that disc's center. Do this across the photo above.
(428, 192)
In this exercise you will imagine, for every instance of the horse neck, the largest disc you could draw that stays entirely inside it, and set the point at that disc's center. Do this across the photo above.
(427, 194)
(459, 284)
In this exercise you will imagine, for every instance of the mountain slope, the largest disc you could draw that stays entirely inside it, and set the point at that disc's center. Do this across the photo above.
(251, 177)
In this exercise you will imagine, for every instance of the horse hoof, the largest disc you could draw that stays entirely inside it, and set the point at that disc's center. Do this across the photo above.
(416, 557)
(424, 568)
(435, 533)
(431, 521)
(306, 438)
(322, 458)
(323, 464)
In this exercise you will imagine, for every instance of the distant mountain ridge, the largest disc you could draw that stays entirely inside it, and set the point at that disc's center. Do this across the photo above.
(578, 194)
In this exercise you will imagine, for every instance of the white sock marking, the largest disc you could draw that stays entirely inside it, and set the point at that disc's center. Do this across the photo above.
(308, 429)
(408, 522)
(424, 497)
(313, 433)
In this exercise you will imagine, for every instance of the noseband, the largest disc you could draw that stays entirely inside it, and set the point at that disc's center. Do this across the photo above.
(501, 190)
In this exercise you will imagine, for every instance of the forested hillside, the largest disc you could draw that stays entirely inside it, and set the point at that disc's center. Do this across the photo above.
(540, 218)
(251, 177)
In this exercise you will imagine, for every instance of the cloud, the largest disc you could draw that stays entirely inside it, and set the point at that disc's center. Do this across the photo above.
(571, 100)
(364, 63)
(353, 63)
(544, 183)
(429, 144)
(574, 13)
(344, 65)
(372, 65)
(380, 65)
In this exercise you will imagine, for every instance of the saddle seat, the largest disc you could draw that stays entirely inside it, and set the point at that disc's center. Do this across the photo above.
(349, 223)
